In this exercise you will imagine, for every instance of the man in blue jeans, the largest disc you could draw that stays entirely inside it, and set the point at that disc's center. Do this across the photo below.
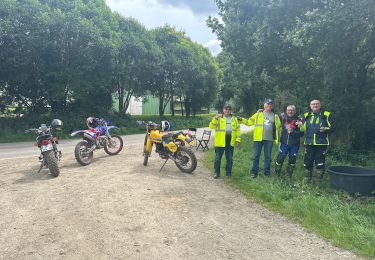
(266, 132)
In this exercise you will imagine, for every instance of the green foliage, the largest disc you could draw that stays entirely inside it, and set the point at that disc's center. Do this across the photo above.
(72, 56)
(345, 221)
(298, 50)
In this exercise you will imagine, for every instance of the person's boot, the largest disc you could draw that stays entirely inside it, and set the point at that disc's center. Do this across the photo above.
(320, 173)
(308, 175)
(278, 169)
(289, 171)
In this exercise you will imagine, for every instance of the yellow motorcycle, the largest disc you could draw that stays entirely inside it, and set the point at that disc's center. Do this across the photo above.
(169, 147)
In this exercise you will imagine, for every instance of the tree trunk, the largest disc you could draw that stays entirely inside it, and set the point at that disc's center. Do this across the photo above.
(172, 102)
(161, 104)
(182, 106)
(187, 106)
(127, 100)
(120, 93)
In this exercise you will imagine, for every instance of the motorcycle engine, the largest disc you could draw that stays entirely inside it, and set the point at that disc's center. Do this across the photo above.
(163, 153)
(100, 143)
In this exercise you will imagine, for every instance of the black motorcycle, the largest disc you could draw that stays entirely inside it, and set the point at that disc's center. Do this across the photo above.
(47, 143)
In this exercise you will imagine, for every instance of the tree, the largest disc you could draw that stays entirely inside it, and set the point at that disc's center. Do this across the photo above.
(295, 51)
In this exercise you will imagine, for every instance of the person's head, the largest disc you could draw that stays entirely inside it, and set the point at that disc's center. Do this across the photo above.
(291, 110)
(267, 105)
(227, 110)
(315, 106)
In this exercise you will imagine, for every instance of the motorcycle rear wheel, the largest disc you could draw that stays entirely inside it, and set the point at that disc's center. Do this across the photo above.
(185, 160)
(83, 159)
(52, 163)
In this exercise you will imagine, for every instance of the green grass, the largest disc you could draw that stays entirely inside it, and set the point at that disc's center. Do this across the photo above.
(13, 128)
(345, 221)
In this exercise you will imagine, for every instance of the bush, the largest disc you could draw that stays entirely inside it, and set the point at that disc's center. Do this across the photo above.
(12, 129)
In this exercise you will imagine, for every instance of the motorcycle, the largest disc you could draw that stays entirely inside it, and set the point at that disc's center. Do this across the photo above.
(47, 143)
(169, 146)
(97, 138)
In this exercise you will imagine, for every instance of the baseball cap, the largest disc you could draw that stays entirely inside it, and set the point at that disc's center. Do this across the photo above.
(267, 101)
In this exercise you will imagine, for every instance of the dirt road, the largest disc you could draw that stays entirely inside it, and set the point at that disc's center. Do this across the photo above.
(116, 208)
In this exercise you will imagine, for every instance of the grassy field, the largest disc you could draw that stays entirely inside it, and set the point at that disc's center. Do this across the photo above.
(345, 221)
(12, 129)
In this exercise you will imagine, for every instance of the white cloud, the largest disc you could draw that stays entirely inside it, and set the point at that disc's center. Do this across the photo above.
(214, 46)
(152, 14)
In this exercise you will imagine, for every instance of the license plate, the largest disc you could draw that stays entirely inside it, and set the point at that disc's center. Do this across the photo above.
(47, 147)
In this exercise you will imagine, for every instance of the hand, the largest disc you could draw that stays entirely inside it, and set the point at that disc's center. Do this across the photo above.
(239, 118)
(218, 115)
(238, 144)
(322, 129)
(299, 124)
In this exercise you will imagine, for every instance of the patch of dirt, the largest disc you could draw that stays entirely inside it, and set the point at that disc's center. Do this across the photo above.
(116, 208)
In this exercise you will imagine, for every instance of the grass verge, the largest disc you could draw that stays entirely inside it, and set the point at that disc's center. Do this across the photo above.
(345, 221)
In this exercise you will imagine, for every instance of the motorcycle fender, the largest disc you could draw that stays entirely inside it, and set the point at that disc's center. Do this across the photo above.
(149, 145)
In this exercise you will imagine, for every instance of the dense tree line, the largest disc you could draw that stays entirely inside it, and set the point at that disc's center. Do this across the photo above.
(74, 56)
(297, 50)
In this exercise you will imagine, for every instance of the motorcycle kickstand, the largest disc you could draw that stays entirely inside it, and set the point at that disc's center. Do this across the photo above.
(164, 164)
(40, 168)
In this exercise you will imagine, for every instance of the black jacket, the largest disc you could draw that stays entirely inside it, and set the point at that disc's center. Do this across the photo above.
(294, 137)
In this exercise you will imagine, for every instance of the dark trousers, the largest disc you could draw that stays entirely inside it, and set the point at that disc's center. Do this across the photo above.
(317, 154)
(219, 151)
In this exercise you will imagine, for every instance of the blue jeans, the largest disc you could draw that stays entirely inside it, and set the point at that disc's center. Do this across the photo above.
(267, 156)
(219, 151)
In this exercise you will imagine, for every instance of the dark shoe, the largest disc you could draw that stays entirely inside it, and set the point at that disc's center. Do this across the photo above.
(320, 176)
(289, 171)
(278, 170)
(308, 175)
(216, 176)
(229, 175)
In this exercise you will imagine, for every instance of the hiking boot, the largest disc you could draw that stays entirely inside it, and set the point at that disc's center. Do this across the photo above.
(320, 174)
(216, 175)
(289, 171)
(278, 169)
(308, 175)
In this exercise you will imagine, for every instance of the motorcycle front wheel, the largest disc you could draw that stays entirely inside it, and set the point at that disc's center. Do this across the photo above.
(51, 161)
(80, 152)
(185, 159)
(145, 156)
(114, 145)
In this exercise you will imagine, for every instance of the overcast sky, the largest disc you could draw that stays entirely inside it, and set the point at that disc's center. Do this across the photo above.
(186, 15)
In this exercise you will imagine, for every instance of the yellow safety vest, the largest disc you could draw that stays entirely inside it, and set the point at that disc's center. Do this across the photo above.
(257, 121)
(220, 125)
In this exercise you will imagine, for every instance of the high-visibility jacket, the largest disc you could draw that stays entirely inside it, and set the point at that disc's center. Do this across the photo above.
(312, 124)
(257, 121)
(220, 128)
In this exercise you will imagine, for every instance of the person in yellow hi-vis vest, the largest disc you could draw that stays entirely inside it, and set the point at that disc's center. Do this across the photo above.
(267, 126)
(227, 135)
